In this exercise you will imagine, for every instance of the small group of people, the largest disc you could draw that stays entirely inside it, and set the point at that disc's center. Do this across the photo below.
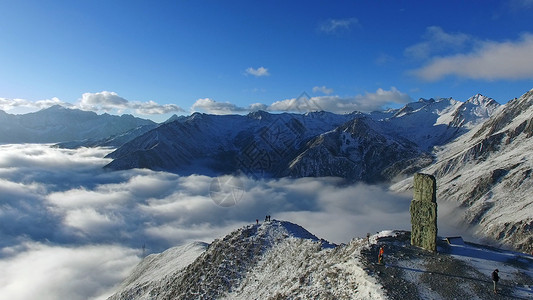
(267, 219)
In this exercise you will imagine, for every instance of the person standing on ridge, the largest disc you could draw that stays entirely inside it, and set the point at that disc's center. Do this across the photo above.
(380, 255)
(495, 279)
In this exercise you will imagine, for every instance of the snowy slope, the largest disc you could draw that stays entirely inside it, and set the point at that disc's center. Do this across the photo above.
(281, 260)
(435, 122)
(361, 150)
(214, 144)
(487, 172)
(156, 269)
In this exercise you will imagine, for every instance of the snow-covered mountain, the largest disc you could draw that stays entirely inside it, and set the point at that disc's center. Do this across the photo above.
(281, 260)
(215, 144)
(60, 124)
(113, 141)
(370, 147)
(487, 172)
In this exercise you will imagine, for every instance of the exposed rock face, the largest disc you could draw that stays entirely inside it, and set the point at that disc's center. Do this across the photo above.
(424, 212)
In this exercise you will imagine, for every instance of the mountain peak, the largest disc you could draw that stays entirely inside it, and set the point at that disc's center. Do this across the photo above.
(479, 99)
(275, 230)
(259, 114)
(55, 107)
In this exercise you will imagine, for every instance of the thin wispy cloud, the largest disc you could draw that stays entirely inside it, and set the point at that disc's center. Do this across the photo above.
(492, 60)
(383, 59)
(259, 72)
(334, 26)
(436, 41)
(520, 4)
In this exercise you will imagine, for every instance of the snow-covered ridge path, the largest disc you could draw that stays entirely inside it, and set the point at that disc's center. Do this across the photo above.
(281, 260)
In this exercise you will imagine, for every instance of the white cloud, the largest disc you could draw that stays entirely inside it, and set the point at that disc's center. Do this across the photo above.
(333, 26)
(100, 102)
(211, 106)
(10, 104)
(510, 60)
(153, 108)
(259, 72)
(365, 103)
(110, 101)
(322, 89)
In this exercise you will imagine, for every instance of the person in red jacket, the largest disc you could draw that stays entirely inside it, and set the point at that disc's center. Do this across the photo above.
(380, 255)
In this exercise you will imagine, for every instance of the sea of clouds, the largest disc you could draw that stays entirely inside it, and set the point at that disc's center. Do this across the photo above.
(70, 229)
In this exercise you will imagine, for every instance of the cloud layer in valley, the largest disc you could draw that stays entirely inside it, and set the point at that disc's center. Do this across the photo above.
(65, 221)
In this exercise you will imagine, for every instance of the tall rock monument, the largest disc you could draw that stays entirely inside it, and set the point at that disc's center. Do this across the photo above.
(424, 212)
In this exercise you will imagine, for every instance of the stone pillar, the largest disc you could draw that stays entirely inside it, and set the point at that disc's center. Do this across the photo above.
(424, 212)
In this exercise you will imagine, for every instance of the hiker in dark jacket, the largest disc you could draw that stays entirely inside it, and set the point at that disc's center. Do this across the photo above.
(495, 279)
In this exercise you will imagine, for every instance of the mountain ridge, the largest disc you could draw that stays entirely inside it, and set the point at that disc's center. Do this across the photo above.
(60, 124)
(261, 144)
(281, 260)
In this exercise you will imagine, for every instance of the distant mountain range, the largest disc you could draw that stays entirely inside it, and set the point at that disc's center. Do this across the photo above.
(59, 124)
(372, 147)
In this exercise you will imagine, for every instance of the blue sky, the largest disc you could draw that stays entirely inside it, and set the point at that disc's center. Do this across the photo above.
(156, 58)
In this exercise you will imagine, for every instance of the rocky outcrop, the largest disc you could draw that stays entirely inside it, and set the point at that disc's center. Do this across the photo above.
(424, 212)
